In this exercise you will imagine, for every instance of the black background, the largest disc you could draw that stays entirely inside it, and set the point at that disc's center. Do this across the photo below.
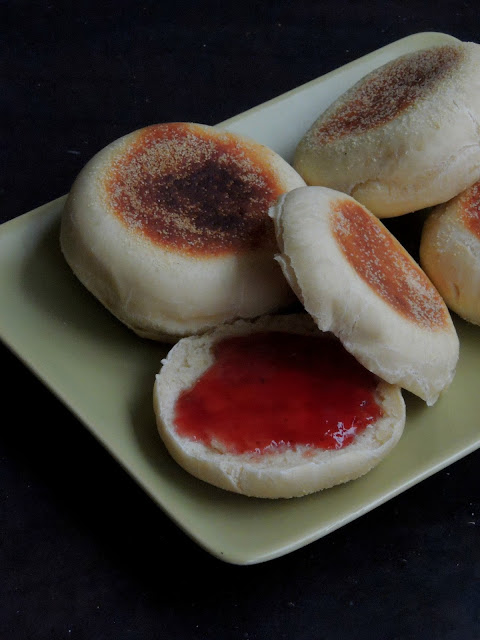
(84, 552)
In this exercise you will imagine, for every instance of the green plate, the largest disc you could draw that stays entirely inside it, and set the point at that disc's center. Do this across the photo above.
(105, 374)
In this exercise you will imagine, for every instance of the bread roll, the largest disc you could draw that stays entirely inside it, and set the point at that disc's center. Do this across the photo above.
(405, 137)
(450, 252)
(168, 228)
(247, 418)
(356, 280)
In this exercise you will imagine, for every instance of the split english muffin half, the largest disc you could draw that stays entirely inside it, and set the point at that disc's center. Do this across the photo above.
(274, 408)
(357, 281)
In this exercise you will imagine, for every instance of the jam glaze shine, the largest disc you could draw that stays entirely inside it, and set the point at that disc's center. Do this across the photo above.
(269, 391)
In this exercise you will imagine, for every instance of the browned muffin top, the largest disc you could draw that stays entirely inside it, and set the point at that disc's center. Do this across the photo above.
(381, 261)
(195, 190)
(387, 92)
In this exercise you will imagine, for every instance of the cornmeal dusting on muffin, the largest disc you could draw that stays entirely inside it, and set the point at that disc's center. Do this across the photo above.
(193, 191)
(383, 95)
(380, 260)
(470, 209)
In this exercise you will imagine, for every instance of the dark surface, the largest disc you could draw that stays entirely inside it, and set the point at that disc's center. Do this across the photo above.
(84, 552)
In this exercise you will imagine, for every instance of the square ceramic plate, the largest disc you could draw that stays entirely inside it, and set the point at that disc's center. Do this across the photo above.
(104, 373)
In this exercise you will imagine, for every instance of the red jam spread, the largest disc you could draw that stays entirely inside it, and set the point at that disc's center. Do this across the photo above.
(270, 391)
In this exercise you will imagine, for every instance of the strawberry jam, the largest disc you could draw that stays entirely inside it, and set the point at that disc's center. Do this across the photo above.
(270, 391)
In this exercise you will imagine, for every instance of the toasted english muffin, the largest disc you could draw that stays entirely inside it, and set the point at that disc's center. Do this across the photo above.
(403, 138)
(274, 408)
(168, 227)
(357, 281)
(450, 252)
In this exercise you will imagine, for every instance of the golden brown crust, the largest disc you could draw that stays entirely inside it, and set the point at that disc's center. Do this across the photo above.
(381, 261)
(470, 209)
(450, 252)
(387, 93)
(195, 191)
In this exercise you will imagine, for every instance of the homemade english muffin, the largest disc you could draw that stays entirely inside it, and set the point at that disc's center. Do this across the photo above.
(357, 281)
(274, 408)
(405, 137)
(168, 227)
(450, 252)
